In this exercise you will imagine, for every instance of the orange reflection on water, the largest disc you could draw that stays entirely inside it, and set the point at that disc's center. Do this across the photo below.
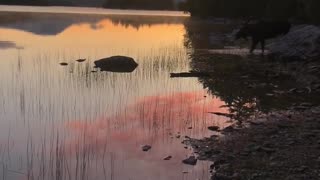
(104, 34)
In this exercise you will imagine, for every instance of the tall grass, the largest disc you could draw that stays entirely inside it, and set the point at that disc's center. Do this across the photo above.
(72, 123)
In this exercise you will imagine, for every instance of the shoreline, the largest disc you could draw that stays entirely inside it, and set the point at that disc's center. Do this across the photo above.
(281, 143)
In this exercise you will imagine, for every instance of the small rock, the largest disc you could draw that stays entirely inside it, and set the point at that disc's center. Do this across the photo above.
(267, 150)
(279, 92)
(64, 64)
(167, 158)
(81, 60)
(273, 164)
(146, 148)
(213, 128)
(189, 127)
(292, 90)
(178, 136)
(302, 169)
(190, 161)
(291, 142)
(244, 153)
(306, 104)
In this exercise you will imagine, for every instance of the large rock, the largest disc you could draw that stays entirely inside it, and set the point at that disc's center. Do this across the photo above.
(116, 64)
(302, 42)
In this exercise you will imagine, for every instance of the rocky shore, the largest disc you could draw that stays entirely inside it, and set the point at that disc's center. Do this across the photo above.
(278, 145)
(279, 137)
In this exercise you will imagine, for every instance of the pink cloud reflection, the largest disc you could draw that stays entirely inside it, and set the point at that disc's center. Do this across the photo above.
(151, 120)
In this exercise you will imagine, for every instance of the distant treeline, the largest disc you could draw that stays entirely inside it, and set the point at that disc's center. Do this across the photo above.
(24, 2)
(307, 10)
(140, 4)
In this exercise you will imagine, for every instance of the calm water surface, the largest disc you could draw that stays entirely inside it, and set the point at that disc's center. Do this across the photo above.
(67, 122)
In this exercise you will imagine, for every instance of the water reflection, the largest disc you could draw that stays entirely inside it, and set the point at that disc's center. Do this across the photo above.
(53, 24)
(153, 120)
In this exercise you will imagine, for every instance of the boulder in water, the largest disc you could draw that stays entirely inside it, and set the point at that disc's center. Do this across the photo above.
(117, 64)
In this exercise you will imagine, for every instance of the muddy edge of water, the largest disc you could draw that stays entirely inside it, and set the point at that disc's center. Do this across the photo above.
(281, 139)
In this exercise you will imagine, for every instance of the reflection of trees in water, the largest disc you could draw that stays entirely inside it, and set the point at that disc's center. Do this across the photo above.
(53, 24)
(202, 34)
(138, 21)
(241, 83)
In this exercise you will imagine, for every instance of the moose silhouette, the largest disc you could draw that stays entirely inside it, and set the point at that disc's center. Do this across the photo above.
(261, 31)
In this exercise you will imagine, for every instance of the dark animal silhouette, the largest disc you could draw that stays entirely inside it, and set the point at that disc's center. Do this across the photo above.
(261, 31)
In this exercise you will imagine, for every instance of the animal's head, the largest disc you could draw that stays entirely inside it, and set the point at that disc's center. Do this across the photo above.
(242, 33)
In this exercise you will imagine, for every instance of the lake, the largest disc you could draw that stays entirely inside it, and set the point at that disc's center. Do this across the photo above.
(76, 122)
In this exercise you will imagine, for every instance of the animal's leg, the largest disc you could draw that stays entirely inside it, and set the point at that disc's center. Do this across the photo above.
(253, 45)
(262, 45)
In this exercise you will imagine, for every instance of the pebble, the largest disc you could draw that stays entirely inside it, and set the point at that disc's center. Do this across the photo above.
(146, 148)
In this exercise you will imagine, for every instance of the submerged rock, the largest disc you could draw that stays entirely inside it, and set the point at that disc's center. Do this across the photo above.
(302, 42)
(190, 161)
(117, 64)
(214, 128)
(189, 74)
(167, 158)
(146, 148)
(81, 60)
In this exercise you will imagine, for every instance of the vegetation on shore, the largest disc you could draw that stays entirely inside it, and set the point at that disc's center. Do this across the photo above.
(297, 9)
(140, 4)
